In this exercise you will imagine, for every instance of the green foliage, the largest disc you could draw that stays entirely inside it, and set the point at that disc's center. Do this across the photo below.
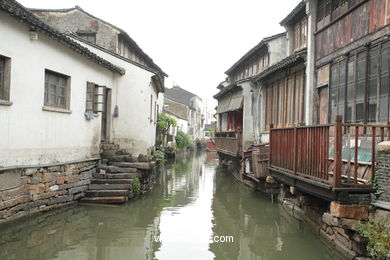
(378, 238)
(136, 186)
(183, 141)
(160, 156)
(164, 122)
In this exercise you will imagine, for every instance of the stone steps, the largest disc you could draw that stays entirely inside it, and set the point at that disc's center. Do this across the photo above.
(105, 200)
(110, 186)
(136, 165)
(112, 181)
(116, 169)
(116, 175)
(106, 193)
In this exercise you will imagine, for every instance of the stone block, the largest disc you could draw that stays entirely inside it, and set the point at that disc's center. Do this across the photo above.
(12, 202)
(382, 216)
(47, 195)
(330, 220)
(79, 196)
(61, 199)
(78, 189)
(71, 178)
(12, 193)
(36, 188)
(359, 212)
(384, 147)
(54, 188)
(29, 172)
(351, 224)
(342, 239)
(360, 248)
(329, 239)
(348, 253)
(60, 180)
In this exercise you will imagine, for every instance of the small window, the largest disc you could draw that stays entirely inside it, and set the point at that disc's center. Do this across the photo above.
(56, 90)
(95, 98)
(90, 37)
(5, 64)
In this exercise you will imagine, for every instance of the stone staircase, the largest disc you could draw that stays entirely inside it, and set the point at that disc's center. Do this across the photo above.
(113, 181)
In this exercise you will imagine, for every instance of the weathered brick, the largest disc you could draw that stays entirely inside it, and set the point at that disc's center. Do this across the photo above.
(37, 188)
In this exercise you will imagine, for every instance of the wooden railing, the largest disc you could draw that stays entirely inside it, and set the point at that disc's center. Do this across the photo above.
(327, 153)
(228, 142)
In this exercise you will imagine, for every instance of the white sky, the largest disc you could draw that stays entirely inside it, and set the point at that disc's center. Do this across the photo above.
(193, 41)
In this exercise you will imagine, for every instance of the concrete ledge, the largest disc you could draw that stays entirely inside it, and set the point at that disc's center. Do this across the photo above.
(384, 146)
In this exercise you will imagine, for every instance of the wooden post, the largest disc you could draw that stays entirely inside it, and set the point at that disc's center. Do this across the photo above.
(338, 146)
(270, 143)
(388, 131)
(295, 149)
(356, 151)
(373, 153)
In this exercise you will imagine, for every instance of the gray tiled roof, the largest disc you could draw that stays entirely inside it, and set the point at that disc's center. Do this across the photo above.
(297, 11)
(23, 15)
(123, 33)
(179, 95)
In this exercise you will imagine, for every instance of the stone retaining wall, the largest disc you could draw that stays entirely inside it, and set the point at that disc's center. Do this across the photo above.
(28, 191)
(383, 171)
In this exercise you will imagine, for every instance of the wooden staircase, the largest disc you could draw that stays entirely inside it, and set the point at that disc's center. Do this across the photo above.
(113, 183)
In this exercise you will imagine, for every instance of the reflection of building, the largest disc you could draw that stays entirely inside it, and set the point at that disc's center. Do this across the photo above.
(188, 107)
(261, 230)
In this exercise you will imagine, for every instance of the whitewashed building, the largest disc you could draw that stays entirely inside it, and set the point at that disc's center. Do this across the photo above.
(137, 96)
(180, 101)
(45, 83)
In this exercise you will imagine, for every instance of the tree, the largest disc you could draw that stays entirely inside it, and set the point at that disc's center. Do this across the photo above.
(164, 122)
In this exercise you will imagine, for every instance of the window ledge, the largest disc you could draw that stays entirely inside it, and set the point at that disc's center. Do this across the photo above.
(5, 103)
(58, 110)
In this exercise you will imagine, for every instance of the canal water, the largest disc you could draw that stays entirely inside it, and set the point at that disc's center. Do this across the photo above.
(196, 210)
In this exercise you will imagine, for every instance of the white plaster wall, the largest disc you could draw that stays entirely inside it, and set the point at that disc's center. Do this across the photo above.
(247, 131)
(277, 49)
(29, 135)
(223, 122)
(133, 130)
(311, 11)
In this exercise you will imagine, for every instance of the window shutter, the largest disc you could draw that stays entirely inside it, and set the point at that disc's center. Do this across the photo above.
(90, 97)
(99, 98)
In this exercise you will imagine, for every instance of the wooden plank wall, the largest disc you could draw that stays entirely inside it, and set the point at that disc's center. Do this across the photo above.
(365, 19)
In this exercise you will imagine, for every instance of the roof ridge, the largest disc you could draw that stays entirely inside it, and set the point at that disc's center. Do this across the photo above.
(257, 47)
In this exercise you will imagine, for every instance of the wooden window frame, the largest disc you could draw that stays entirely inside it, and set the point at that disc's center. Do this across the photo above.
(5, 80)
(300, 30)
(354, 57)
(57, 94)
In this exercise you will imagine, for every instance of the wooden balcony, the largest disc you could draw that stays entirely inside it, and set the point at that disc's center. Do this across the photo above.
(229, 143)
(323, 160)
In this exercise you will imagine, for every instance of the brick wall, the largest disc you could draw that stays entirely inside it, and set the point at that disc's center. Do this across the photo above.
(383, 171)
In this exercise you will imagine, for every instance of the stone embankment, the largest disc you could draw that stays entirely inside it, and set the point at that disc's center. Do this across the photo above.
(31, 190)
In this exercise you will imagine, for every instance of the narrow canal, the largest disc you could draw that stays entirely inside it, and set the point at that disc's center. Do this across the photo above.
(195, 211)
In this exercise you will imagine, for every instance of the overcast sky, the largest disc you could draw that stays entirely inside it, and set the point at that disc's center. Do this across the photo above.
(193, 41)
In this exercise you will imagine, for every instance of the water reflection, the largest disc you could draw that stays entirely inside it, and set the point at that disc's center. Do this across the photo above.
(192, 201)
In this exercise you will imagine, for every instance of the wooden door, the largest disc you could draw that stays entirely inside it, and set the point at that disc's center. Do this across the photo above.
(323, 94)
